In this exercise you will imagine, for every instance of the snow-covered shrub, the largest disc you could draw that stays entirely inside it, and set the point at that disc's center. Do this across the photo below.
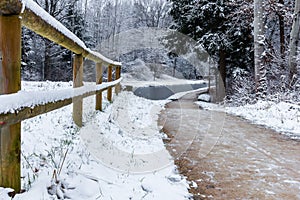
(241, 88)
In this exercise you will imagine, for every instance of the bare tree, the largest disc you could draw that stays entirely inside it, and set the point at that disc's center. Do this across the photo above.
(294, 40)
(152, 13)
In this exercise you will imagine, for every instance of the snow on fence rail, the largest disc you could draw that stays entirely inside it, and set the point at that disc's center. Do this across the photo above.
(23, 105)
(16, 106)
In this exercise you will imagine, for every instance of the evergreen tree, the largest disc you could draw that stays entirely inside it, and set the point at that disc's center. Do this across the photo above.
(221, 28)
(31, 59)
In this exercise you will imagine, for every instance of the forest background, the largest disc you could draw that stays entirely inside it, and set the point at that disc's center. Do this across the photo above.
(254, 44)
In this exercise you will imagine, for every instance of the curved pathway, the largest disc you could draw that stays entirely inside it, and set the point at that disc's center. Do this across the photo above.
(226, 157)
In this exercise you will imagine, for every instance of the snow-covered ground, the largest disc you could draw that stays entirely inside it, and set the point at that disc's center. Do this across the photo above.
(282, 117)
(118, 153)
(113, 156)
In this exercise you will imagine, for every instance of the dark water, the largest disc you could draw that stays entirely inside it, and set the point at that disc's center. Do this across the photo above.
(163, 92)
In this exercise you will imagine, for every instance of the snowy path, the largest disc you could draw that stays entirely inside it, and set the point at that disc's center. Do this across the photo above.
(225, 157)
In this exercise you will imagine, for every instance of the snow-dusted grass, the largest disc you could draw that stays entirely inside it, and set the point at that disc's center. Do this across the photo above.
(85, 174)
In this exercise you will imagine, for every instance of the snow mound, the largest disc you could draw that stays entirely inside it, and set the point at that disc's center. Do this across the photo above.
(204, 97)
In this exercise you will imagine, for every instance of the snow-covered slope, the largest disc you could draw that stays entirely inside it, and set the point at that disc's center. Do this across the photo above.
(282, 117)
(52, 144)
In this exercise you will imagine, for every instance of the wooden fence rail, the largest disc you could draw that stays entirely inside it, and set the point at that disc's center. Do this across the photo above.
(14, 14)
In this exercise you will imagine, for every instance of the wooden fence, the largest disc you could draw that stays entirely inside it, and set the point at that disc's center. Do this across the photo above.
(14, 15)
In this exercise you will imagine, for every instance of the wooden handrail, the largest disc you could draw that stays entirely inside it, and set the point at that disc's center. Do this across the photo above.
(32, 109)
(13, 14)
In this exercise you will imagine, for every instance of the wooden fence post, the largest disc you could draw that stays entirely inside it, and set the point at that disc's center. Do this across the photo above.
(77, 82)
(10, 82)
(118, 75)
(109, 79)
(99, 73)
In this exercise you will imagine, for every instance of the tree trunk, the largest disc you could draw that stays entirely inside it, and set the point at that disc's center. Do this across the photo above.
(47, 60)
(259, 49)
(221, 77)
(281, 32)
(294, 44)
(174, 67)
(85, 11)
